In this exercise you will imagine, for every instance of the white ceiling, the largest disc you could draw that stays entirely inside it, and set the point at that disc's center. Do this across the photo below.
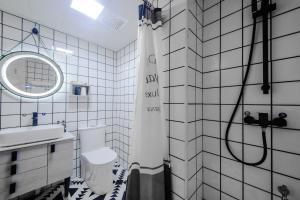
(57, 14)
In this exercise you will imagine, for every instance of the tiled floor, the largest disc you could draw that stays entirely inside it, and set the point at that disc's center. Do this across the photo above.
(80, 191)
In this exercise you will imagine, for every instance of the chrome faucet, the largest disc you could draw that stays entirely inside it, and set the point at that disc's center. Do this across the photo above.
(284, 191)
(64, 125)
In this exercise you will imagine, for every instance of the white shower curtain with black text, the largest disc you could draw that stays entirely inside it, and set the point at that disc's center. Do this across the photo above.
(148, 141)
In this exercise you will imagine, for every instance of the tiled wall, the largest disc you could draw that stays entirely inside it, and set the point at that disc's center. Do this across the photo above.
(226, 39)
(194, 98)
(90, 63)
(183, 38)
(124, 90)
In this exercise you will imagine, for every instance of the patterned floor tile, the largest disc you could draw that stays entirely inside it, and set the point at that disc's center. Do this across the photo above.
(79, 190)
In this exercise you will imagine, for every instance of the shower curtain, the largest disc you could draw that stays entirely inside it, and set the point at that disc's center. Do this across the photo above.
(148, 150)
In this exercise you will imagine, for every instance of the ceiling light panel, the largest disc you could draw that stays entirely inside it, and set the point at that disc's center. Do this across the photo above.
(91, 8)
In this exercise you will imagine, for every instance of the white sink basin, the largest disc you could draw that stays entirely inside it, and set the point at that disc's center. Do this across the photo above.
(25, 135)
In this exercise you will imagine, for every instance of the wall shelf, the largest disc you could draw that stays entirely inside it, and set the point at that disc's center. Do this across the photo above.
(80, 89)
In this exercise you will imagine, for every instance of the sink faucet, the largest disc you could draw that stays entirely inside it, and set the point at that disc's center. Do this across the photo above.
(34, 119)
(64, 125)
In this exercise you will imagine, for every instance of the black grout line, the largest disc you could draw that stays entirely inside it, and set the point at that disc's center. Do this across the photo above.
(252, 145)
(221, 192)
(33, 22)
(235, 179)
(50, 49)
(173, 34)
(205, 9)
(256, 43)
(271, 102)
(220, 99)
(256, 167)
(195, 106)
(169, 78)
(253, 64)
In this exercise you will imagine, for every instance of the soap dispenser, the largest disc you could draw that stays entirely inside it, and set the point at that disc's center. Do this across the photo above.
(34, 119)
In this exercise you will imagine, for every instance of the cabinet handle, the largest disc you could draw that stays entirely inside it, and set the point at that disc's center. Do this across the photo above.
(14, 156)
(13, 170)
(52, 148)
(12, 188)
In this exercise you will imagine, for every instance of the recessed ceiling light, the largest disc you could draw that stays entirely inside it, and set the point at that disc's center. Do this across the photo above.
(90, 8)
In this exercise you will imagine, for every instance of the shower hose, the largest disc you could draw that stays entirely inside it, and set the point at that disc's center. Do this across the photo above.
(237, 106)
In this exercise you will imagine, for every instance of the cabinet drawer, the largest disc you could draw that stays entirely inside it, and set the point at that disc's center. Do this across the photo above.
(23, 154)
(25, 182)
(23, 166)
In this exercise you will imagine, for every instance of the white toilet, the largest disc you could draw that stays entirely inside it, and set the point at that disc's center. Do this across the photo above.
(96, 159)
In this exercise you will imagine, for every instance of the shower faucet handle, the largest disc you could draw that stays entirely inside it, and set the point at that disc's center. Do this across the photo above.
(248, 118)
(247, 113)
(263, 120)
(282, 115)
(280, 121)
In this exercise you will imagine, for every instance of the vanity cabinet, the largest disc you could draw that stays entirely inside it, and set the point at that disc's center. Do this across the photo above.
(25, 168)
(60, 161)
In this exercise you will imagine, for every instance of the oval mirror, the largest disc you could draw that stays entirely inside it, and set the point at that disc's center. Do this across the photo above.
(30, 74)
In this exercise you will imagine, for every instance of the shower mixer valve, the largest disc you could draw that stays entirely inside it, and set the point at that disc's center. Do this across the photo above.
(284, 191)
(263, 120)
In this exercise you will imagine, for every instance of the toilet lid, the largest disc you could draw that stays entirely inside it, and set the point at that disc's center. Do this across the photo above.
(101, 156)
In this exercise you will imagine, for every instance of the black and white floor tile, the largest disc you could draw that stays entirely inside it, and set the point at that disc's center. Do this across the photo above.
(80, 191)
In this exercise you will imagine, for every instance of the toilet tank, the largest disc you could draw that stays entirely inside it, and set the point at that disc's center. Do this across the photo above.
(92, 138)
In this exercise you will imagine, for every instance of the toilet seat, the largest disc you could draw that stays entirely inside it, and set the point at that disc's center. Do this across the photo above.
(100, 156)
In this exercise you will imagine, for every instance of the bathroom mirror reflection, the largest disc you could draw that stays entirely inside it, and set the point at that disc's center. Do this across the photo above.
(30, 75)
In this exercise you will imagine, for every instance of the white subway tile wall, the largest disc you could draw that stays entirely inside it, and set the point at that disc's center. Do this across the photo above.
(227, 32)
(90, 63)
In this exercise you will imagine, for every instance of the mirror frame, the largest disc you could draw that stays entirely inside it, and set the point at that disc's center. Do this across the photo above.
(9, 58)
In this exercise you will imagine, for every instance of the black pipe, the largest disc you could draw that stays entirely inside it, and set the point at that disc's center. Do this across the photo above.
(255, 15)
(265, 11)
(263, 158)
(263, 117)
